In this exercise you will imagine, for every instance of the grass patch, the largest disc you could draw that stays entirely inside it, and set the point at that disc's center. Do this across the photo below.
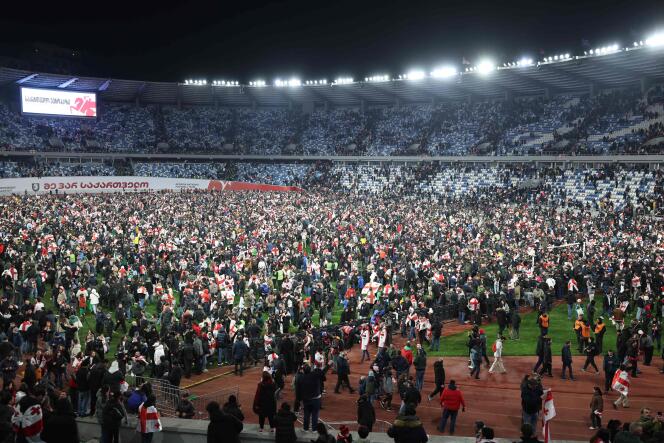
(560, 330)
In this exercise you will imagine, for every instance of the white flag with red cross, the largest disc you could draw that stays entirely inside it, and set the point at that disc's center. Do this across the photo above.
(548, 413)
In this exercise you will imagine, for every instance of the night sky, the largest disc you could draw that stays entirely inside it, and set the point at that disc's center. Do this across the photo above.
(248, 40)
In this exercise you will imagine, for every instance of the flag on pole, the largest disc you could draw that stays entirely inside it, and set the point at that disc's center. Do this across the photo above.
(549, 412)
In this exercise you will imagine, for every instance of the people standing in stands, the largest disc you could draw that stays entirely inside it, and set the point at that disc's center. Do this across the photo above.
(223, 428)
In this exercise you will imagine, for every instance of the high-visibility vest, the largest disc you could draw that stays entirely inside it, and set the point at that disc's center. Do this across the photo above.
(544, 321)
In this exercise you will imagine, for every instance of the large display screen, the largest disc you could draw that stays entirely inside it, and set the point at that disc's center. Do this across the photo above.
(58, 102)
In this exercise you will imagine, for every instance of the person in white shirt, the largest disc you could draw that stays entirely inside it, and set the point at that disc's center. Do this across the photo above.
(498, 365)
(94, 300)
(364, 336)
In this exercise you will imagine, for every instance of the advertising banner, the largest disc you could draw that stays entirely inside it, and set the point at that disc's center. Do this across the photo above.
(58, 102)
(79, 185)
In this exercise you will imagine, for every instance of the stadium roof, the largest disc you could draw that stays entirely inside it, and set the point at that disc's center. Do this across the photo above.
(625, 68)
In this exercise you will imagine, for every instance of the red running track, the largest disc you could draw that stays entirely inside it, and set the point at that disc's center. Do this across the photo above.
(494, 399)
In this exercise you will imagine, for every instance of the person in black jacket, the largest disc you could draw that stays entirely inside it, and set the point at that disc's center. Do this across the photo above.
(60, 426)
(590, 351)
(343, 369)
(611, 365)
(96, 376)
(308, 392)
(233, 408)
(112, 416)
(284, 423)
(366, 415)
(566, 355)
(547, 358)
(265, 403)
(83, 384)
(407, 428)
(6, 413)
(223, 428)
(439, 377)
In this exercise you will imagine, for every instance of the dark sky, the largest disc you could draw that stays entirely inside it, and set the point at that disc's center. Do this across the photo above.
(247, 40)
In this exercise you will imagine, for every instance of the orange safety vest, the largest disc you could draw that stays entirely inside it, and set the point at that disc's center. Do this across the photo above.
(544, 321)
(585, 331)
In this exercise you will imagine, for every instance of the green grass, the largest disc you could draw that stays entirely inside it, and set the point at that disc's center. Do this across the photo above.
(560, 330)
(89, 320)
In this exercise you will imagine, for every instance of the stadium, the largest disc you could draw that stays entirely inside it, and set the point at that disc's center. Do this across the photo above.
(468, 252)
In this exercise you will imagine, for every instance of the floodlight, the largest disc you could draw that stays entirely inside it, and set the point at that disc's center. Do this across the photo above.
(525, 62)
(415, 74)
(444, 72)
(656, 39)
(485, 67)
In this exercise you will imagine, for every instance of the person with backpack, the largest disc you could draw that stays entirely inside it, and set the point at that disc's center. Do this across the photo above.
(370, 386)
(497, 365)
(420, 363)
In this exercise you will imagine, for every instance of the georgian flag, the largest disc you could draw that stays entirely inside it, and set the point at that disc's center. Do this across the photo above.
(620, 382)
(28, 424)
(148, 419)
(548, 413)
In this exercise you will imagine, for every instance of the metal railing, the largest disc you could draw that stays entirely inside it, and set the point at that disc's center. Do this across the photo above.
(220, 396)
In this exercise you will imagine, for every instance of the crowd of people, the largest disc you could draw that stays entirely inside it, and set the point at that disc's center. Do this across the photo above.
(164, 288)
(610, 122)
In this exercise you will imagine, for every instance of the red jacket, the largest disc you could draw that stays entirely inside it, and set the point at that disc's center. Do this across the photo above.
(408, 355)
(452, 399)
